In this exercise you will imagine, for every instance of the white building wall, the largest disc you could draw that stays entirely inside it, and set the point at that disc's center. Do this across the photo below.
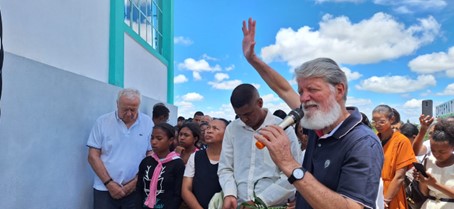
(55, 85)
(71, 34)
(445, 109)
(144, 71)
(46, 117)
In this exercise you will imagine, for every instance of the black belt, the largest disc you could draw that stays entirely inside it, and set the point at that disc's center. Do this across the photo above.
(441, 199)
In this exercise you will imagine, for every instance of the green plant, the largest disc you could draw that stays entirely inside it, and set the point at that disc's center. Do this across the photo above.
(258, 203)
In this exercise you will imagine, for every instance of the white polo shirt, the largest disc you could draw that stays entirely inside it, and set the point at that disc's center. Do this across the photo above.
(122, 149)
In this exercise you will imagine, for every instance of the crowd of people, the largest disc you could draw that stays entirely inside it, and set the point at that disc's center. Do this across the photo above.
(334, 157)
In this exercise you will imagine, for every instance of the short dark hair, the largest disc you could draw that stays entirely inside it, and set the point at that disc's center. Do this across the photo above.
(385, 110)
(167, 128)
(396, 116)
(409, 130)
(444, 131)
(160, 110)
(198, 113)
(280, 113)
(195, 129)
(223, 120)
(243, 94)
(181, 118)
(365, 120)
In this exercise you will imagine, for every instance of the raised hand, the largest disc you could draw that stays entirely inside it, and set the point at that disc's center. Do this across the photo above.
(425, 120)
(249, 39)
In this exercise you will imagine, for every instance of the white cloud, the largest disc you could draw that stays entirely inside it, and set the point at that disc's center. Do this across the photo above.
(196, 75)
(396, 84)
(229, 84)
(448, 91)
(450, 73)
(225, 85)
(229, 68)
(426, 93)
(182, 40)
(434, 62)
(221, 76)
(364, 105)
(409, 111)
(400, 6)
(351, 75)
(206, 57)
(185, 108)
(198, 65)
(292, 82)
(277, 106)
(257, 86)
(351, 43)
(357, 102)
(413, 103)
(192, 96)
(180, 79)
(272, 102)
(269, 98)
(182, 104)
(411, 6)
(224, 111)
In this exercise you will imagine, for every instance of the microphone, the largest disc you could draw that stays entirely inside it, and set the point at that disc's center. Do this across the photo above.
(292, 117)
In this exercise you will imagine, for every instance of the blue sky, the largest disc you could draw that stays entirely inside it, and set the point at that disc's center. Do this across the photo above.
(393, 52)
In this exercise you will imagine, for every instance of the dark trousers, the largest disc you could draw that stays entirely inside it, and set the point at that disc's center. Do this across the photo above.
(103, 200)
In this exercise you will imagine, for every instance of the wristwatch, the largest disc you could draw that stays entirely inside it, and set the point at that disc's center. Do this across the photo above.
(297, 174)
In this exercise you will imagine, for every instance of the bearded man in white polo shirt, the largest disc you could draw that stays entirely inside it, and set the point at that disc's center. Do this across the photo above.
(117, 143)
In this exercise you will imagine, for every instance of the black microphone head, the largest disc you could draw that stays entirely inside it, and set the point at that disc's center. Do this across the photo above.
(297, 114)
(292, 117)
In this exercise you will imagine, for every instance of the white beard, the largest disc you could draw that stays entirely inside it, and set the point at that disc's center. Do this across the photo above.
(319, 119)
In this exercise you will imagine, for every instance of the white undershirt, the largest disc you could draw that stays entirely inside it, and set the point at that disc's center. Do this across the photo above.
(189, 171)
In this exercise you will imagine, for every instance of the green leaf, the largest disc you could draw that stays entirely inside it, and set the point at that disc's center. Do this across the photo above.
(246, 204)
(259, 202)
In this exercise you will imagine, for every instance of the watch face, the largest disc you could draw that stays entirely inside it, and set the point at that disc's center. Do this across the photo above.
(298, 173)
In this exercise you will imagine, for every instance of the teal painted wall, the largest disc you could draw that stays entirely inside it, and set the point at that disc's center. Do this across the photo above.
(118, 29)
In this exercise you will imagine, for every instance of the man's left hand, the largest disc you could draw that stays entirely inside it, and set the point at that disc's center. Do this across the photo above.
(130, 187)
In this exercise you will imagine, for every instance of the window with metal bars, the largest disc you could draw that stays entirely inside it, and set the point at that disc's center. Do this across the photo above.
(145, 18)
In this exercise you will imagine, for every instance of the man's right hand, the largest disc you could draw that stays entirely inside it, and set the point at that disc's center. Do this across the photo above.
(249, 39)
(115, 190)
(230, 202)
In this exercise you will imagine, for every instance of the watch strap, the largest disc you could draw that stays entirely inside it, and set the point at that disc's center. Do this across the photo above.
(108, 181)
(291, 179)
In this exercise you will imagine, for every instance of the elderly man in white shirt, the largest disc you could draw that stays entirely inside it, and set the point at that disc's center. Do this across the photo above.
(245, 170)
(117, 144)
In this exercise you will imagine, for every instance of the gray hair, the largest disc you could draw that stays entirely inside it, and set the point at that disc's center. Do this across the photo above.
(129, 93)
(325, 68)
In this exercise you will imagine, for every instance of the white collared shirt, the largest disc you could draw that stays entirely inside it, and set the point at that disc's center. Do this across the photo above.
(242, 166)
